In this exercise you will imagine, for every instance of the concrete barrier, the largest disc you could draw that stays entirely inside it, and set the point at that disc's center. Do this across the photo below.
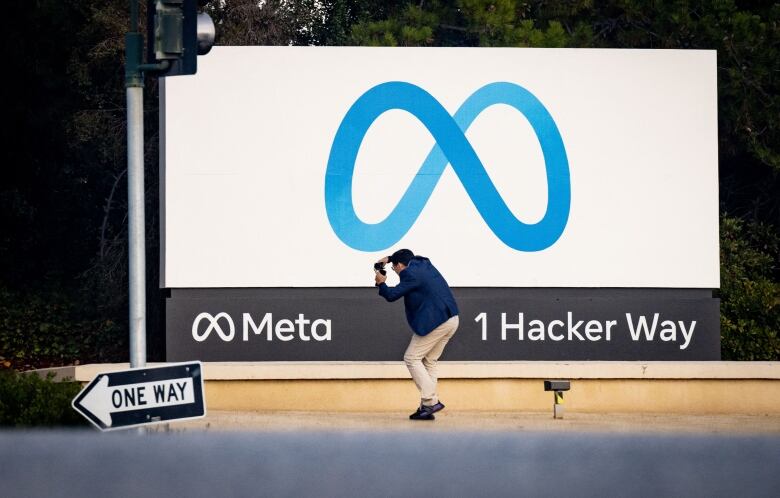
(715, 387)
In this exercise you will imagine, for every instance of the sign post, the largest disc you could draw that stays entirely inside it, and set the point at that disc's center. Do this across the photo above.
(143, 396)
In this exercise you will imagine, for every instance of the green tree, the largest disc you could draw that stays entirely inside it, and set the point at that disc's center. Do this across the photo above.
(750, 306)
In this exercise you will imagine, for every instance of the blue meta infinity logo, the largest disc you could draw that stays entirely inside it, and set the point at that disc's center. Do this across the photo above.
(453, 148)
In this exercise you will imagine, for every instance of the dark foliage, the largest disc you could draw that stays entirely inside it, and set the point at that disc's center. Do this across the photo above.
(27, 400)
(750, 308)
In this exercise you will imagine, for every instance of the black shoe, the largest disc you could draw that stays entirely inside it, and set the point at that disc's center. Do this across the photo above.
(435, 408)
(423, 413)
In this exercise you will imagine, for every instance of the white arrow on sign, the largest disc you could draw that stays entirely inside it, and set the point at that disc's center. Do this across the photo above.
(103, 400)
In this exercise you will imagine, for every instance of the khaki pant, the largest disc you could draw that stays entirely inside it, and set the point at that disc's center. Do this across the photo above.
(422, 356)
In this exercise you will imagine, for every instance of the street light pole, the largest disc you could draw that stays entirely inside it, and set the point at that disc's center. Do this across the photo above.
(136, 216)
(136, 228)
(180, 34)
(136, 233)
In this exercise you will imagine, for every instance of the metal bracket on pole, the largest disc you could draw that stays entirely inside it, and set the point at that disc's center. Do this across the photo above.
(160, 67)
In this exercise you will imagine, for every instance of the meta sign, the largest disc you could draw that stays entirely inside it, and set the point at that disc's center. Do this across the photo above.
(569, 197)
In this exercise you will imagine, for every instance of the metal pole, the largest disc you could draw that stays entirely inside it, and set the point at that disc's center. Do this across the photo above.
(136, 227)
(136, 232)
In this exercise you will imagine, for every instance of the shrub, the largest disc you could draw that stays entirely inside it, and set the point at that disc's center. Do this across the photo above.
(750, 298)
(49, 328)
(27, 400)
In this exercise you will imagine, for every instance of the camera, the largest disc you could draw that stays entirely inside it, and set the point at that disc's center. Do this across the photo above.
(380, 267)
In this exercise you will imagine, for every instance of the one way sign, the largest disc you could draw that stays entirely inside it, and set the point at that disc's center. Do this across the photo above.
(141, 396)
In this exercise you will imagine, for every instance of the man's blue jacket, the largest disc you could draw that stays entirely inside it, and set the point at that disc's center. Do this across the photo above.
(427, 297)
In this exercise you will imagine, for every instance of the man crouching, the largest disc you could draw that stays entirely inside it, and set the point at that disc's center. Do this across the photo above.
(432, 313)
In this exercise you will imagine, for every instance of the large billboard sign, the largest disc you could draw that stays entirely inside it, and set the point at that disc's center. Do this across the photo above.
(297, 167)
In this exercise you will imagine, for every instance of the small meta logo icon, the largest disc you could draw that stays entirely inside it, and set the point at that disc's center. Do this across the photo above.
(453, 148)
(214, 326)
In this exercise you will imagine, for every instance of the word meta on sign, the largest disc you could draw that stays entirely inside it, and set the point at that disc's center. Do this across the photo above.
(453, 148)
(141, 396)
(283, 329)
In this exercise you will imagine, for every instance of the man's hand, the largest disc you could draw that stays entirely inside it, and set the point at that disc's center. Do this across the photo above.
(379, 278)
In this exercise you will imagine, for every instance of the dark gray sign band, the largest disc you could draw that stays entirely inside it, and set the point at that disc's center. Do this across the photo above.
(355, 324)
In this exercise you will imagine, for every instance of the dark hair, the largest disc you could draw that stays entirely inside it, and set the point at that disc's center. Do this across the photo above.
(402, 256)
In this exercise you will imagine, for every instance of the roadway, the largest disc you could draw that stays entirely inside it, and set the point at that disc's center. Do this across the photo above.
(401, 462)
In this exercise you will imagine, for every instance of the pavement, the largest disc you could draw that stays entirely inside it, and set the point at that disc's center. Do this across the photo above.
(460, 421)
(461, 454)
(385, 464)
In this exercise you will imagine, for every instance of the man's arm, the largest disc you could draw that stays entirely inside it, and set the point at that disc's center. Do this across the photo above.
(408, 283)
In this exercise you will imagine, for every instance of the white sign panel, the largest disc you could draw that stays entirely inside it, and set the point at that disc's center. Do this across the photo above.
(301, 166)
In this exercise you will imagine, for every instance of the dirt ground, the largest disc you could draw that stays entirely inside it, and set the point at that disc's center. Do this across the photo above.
(482, 421)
